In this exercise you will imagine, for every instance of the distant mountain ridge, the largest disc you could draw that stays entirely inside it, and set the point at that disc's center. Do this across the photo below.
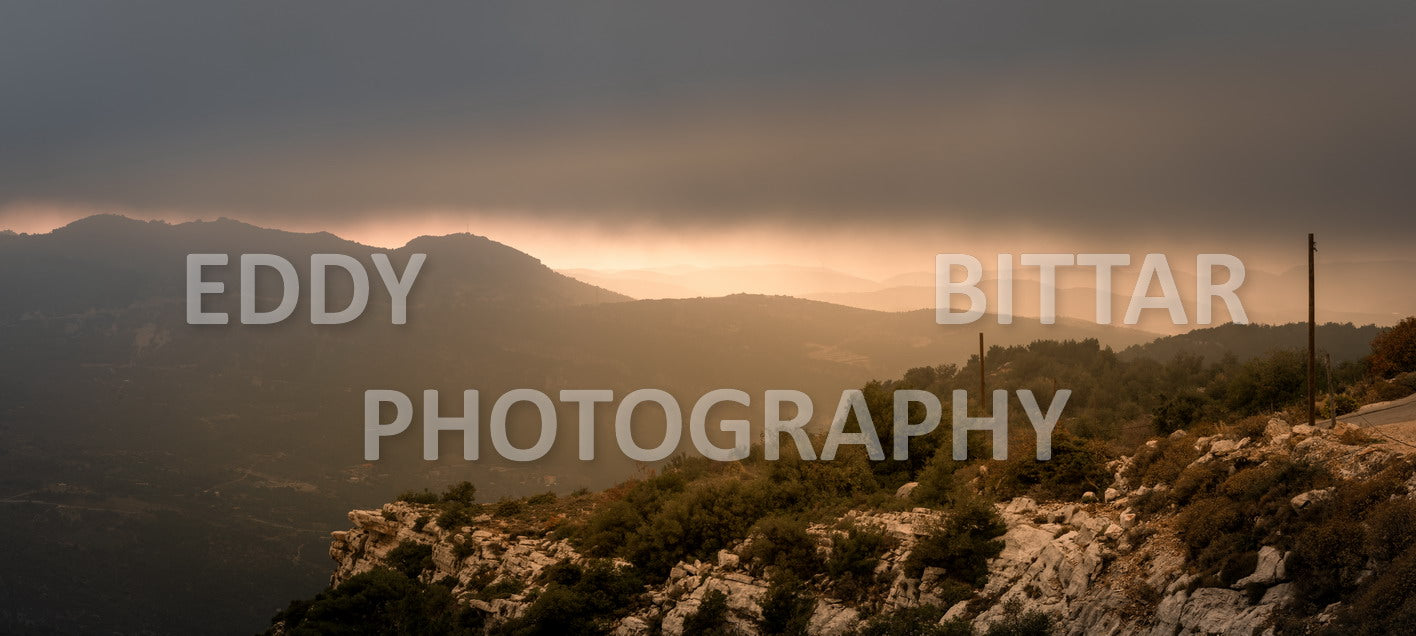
(107, 261)
(1345, 342)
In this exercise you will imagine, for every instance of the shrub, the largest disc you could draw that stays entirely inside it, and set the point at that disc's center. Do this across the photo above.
(1394, 350)
(1253, 426)
(1178, 411)
(463, 492)
(936, 483)
(1163, 462)
(697, 523)
(1202, 524)
(1386, 391)
(1341, 404)
(922, 620)
(854, 556)
(578, 600)
(410, 558)
(1266, 383)
(786, 607)
(380, 601)
(962, 545)
(508, 508)
(454, 517)
(1197, 480)
(424, 497)
(1016, 622)
(541, 499)
(501, 589)
(1383, 605)
(1077, 465)
(1391, 529)
(461, 550)
(783, 543)
(711, 619)
(1327, 559)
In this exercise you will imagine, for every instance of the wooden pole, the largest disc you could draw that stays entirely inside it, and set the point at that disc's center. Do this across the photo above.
(1312, 338)
(982, 390)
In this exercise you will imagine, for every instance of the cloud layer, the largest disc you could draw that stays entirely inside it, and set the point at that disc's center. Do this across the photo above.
(1098, 116)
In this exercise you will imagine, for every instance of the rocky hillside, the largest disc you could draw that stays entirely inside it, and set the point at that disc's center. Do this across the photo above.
(1215, 534)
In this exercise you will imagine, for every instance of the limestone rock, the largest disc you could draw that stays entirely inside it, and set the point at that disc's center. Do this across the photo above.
(1270, 568)
(1309, 498)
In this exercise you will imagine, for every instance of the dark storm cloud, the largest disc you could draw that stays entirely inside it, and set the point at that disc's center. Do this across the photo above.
(716, 112)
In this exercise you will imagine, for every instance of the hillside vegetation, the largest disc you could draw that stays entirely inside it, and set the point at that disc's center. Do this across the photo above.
(1179, 489)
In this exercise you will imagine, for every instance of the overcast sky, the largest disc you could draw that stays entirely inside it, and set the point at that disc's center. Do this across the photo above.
(988, 119)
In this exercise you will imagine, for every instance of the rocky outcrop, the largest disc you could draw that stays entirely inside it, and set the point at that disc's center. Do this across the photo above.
(1098, 567)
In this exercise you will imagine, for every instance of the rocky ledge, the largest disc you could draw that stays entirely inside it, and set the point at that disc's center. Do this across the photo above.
(1100, 566)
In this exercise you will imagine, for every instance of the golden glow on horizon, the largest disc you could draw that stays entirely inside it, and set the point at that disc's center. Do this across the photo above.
(868, 251)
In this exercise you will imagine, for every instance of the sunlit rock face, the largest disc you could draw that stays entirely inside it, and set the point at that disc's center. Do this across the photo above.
(1098, 568)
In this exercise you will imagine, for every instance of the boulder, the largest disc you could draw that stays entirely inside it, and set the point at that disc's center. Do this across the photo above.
(1309, 498)
(1270, 568)
(1021, 506)
(1223, 446)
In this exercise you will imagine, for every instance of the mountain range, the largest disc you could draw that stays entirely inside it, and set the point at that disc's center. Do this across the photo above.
(162, 477)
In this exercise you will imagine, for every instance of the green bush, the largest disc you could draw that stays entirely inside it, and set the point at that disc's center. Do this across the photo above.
(410, 558)
(453, 517)
(1077, 466)
(783, 543)
(1342, 404)
(1327, 558)
(508, 508)
(1162, 462)
(578, 600)
(1179, 411)
(1017, 622)
(463, 492)
(1384, 604)
(936, 483)
(711, 619)
(1391, 529)
(1197, 481)
(923, 620)
(962, 545)
(381, 601)
(463, 549)
(423, 497)
(696, 523)
(1203, 524)
(854, 556)
(787, 607)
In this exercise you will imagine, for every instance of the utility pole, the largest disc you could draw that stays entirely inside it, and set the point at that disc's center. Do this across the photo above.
(982, 391)
(1312, 338)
